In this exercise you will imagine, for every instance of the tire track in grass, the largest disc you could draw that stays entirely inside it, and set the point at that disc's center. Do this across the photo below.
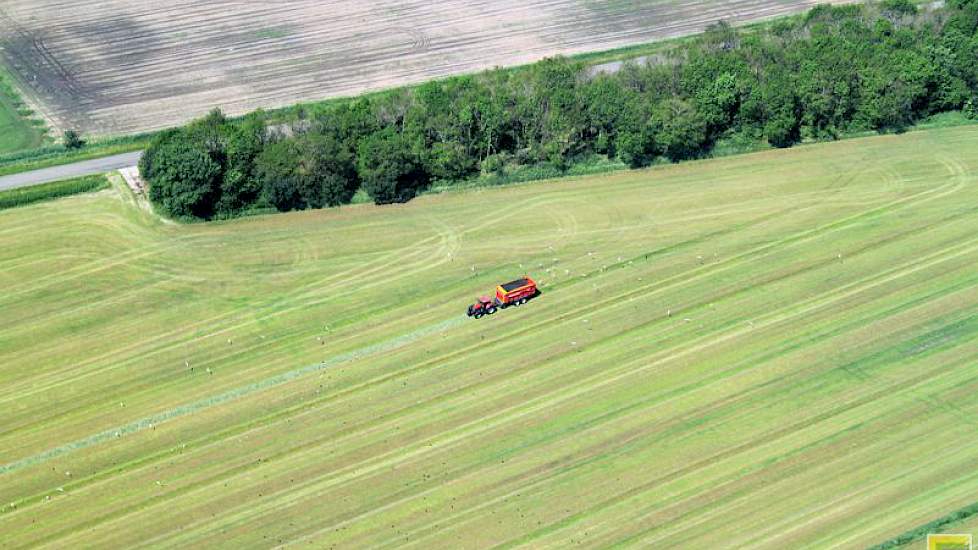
(816, 230)
(777, 317)
(904, 386)
(461, 352)
(648, 538)
(679, 279)
(300, 298)
(616, 447)
(228, 396)
(483, 425)
(304, 297)
(360, 434)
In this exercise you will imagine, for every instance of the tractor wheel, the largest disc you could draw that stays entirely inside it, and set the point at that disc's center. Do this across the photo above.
(478, 315)
(490, 311)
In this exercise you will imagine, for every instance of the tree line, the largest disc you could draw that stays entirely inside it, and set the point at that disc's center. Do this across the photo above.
(835, 70)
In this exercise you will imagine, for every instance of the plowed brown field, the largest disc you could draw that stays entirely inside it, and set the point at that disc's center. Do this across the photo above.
(119, 66)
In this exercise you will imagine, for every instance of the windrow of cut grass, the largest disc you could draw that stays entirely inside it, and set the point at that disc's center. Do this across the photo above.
(771, 350)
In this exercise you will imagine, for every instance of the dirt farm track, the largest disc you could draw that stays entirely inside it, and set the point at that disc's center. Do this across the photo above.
(119, 66)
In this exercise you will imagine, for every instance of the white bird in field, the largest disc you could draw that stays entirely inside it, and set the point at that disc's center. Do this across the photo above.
(186, 364)
(229, 341)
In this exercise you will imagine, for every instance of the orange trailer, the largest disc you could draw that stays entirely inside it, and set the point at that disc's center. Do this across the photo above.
(513, 293)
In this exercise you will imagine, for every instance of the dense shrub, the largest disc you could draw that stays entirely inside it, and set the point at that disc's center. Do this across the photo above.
(834, 71)
(73, 140)
(389, 167)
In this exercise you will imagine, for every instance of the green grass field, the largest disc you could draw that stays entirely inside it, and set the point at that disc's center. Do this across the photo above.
(777, 350)
(16, 131)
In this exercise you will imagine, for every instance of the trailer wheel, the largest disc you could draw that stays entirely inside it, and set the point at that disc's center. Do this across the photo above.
(523, 300)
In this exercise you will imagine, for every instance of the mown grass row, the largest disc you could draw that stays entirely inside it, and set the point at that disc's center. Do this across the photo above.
(24, 196)
(933, 527)
(725, 352)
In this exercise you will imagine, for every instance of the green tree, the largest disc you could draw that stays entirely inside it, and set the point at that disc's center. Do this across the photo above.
(240, 186)
(635, 142)
(971, 108)
(308, 171)
(682, 130)
(388, 167)
(549, 116)
(183, 179)
(781, 120)
(605, 101)
(897, 9)
(73, 140)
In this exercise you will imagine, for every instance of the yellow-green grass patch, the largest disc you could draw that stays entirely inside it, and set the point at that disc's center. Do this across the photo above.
(774, 350)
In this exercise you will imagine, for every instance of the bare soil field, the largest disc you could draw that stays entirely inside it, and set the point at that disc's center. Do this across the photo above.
(121, 66)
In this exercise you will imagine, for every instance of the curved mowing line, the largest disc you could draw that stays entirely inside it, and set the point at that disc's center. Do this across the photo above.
(228, 396)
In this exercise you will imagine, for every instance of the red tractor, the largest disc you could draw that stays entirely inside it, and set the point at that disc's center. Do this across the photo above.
(514, 293)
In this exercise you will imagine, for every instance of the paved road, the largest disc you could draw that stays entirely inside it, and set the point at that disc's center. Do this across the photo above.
(83, 168)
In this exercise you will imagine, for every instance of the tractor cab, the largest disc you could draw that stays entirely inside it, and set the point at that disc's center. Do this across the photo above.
(483, 305)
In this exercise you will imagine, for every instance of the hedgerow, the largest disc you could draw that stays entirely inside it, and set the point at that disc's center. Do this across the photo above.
(832, 72)
(23, 196)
